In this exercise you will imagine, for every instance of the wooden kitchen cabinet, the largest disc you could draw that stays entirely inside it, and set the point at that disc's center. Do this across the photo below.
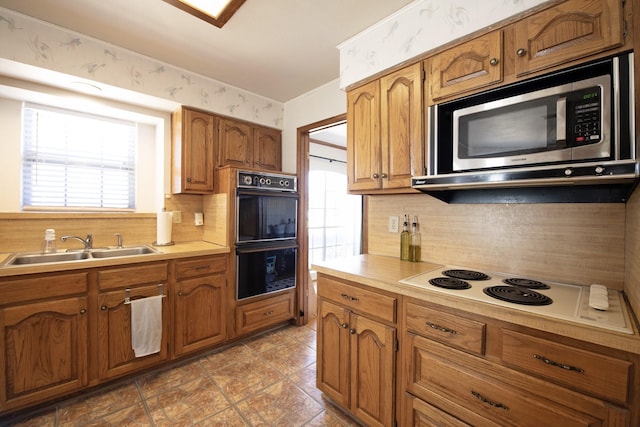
(568, 31)
(44, 326)
(356, 350)
(471, 65)
(193, 151)
(200, 296)
(385, 131)
(480, 372)
(117, 286)
(263, 313)
(247, 146)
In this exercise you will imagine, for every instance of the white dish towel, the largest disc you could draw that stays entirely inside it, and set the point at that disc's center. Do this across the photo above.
(146, 325)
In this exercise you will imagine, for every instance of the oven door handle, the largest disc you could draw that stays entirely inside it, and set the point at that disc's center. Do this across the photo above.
(263, 246)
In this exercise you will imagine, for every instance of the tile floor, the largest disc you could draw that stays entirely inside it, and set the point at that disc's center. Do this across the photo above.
(268, 380)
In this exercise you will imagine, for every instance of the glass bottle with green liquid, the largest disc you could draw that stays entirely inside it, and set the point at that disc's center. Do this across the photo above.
(415, 242)
(405, 238)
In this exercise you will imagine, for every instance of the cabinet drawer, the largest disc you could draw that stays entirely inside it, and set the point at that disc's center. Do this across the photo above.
(594, 373)
(421, 414)
(113, 278)
(256, 315)
(372, 303)
(200, 266)
(480, 397)
(30, 288)
(447, 328)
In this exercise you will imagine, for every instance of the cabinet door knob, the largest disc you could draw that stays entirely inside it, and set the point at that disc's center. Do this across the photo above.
(384, 175)
(352, 331)
(83, 311)
(103, 308)
(345, 325)
(375, 176)
(521, 52)
(188, 179)
(493, 61)
(180, 294)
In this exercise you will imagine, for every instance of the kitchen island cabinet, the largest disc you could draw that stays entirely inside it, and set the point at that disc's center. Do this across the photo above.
(357, 350)
(199, 296)
(466, 363)
(117, 287)
(44, 326)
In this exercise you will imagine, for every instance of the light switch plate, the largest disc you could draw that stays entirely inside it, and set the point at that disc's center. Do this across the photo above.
(177, 217)
(199, 218)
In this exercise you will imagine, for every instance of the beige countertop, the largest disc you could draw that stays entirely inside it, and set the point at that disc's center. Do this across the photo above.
(384, 273)
(179, 250)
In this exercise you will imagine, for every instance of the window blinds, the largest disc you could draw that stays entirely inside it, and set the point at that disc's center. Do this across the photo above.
(77, 160)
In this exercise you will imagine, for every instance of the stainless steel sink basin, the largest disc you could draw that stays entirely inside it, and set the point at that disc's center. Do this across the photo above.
(39, 258)
(110, 253)
(26, 259)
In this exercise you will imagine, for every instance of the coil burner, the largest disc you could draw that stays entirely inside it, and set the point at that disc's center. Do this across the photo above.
(517, 295)
(449, 283)
(526, 283)
(466, 274)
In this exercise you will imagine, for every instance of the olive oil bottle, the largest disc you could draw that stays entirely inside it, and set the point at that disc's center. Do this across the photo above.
(405, 238)
(415, 242)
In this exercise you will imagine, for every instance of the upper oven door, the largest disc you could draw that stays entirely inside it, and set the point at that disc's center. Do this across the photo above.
(265, 215)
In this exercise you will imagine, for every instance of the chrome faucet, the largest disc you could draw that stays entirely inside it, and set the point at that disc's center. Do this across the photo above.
(87, 242)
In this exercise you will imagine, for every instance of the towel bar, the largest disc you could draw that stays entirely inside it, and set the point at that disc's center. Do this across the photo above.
(127, 294)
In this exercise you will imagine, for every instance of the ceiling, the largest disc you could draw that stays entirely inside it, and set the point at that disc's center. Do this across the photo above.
(279, 49)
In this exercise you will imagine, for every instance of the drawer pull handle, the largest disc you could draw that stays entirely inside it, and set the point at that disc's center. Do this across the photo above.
(489, 402)
(202, 267)
(440, 328)
(347, 297)
(559, 365)
(268, 313)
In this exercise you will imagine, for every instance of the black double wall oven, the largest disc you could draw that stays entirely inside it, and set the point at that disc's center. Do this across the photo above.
(266, 238)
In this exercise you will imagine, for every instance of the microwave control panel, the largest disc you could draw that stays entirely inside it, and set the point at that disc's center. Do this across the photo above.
(267, 181)
(584, 111)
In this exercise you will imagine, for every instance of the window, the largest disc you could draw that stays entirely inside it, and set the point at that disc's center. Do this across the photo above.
(77, 160)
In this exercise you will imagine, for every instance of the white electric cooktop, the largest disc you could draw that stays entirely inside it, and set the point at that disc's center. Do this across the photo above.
(568, 302)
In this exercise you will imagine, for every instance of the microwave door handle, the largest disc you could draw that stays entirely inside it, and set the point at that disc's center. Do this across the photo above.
(561, 119)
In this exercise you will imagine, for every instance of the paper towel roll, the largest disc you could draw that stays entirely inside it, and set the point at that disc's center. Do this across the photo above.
(163, 234)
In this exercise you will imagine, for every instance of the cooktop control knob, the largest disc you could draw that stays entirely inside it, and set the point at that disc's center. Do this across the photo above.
(599, 170)
(247, 180)
(568, 171)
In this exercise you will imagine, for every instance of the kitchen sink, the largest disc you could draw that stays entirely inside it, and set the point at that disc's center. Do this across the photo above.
(110, 253)
(23, 258)
(26, 259)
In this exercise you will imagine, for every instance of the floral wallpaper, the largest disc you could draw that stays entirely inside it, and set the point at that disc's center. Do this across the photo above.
(31, 41)
(419, 27)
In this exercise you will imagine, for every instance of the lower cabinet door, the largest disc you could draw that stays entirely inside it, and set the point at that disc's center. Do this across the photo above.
(44, 351)
(373, 368)
(200, 313)
(333, 352)
(115, 351)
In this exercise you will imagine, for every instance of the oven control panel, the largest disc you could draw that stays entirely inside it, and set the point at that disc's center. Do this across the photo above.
(267, 181)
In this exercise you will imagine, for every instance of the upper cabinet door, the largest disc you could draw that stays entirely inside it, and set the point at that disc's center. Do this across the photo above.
(401, 126)
(267, 149)
(363, 137)
(193, 153)
(471, 65)
(235, 144)
(571, 30)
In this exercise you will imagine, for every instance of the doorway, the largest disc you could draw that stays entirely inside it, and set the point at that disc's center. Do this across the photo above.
(330, 219)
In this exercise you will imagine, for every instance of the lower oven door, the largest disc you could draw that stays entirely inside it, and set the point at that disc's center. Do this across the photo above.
(264, 268)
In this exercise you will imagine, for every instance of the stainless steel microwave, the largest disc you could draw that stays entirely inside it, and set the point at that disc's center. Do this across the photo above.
(583, 114)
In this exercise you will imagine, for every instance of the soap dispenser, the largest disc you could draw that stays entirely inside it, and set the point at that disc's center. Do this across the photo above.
(49, 243)
(415, 241)
(405, 238)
